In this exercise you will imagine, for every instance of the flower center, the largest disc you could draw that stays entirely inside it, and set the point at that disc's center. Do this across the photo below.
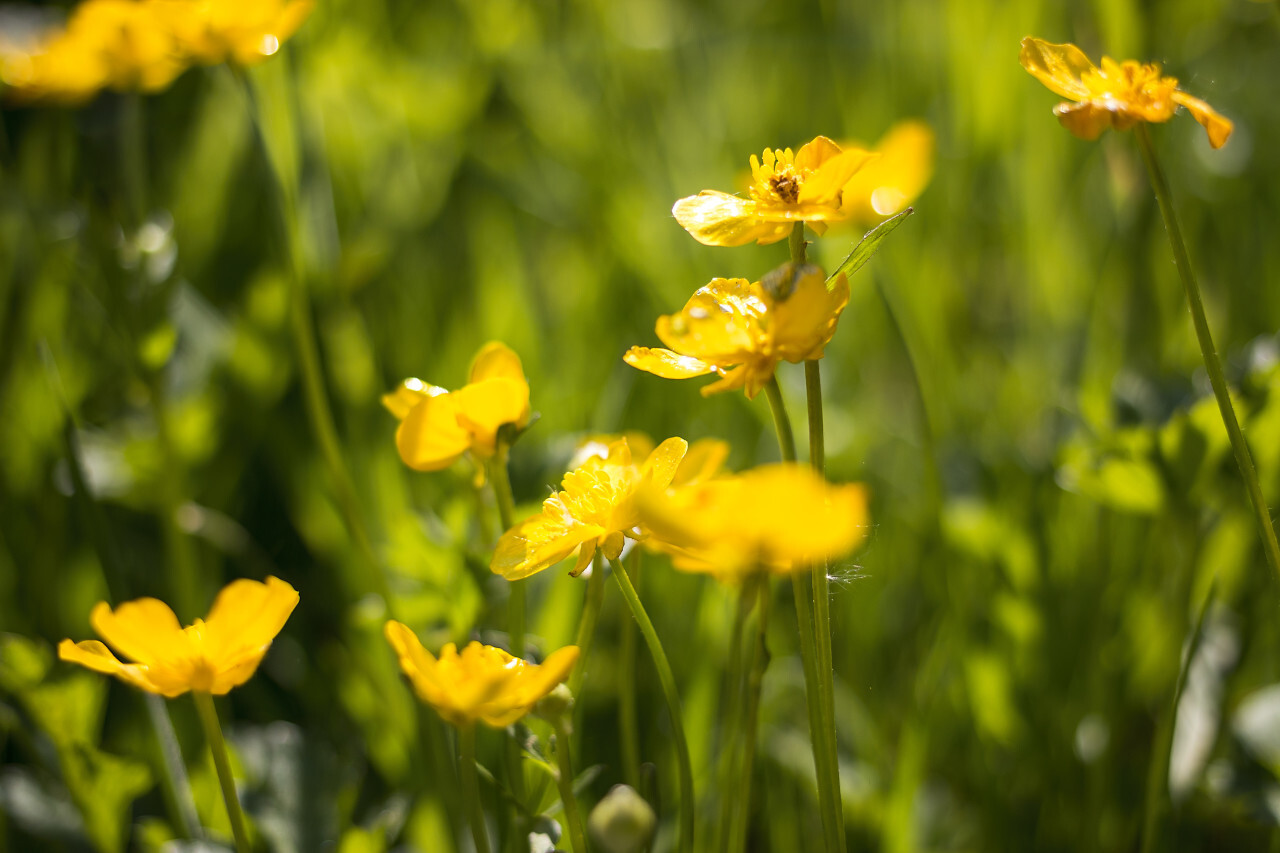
(786, 185)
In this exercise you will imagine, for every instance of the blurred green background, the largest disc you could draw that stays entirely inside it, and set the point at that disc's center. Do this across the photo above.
(1057, 515)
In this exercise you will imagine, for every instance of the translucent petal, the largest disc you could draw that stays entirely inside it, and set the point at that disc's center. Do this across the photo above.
(660, 466)
(539, 543)
(484, 407)
(1058, 66)
(408, 394)
(1216, 125)
(702, 461)
(144, 630)
(886, 186)
(245, 617)
(496, 360)
(825, 185)
(94, 655)
(1086, 120)
(719, 219)
(667, 364)
(803, 323)
(430, 437)
(719, 324)
(815, 153)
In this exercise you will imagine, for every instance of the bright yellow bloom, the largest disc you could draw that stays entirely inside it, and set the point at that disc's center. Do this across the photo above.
(740, 330)
(786, 188)
(242, 32)
(213, 655)
(702, 461)
(1119, 94)
(480, 683)
(595, 509)
(120, 44)
(896, 177)
(438, 426)
(778, 518)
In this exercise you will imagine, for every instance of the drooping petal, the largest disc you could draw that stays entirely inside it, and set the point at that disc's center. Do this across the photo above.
(719, 219)
(667, 364)
(144, 630)
(430, 437)
(1218, 127)
(1085, 120)
(97, 657)
(886, 186)
(1058, 66)
(245, 617)
(825, 185)
(586, 553)
(408, 394)
(485, 406)
(731, 381)
(496, 360)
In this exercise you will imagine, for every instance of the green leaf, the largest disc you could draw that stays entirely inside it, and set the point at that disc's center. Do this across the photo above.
(869, 244)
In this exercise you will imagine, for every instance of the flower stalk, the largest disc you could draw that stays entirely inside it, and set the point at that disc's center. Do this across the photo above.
(668, 681)
(755, 680)
(564, 779)
(471, 785)
(1212, 365)
(222, 764)
(628, 722)
(500, 478)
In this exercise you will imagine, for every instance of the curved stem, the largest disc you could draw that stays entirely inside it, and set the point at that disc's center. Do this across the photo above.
(500, 478)
(564, 778)
(471, 785)
(755, 680)
(668, 681)
(222, 763)
(1211, 363)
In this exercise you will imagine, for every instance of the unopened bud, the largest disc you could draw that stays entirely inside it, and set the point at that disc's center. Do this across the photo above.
(555, 704)
(622, 822)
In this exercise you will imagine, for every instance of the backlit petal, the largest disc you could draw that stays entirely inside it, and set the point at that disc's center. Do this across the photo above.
(886, 186)
(719, 323)
(1216, 125)
(484, 407)
(660, 467)
(94, 655)
(667, 364)
(430, 437)
(719, 219)
(144, 630)
(1058, 66)
(408, 394)
(825, 185)
(496, 360)
(539, 543)
(804, 322)
(815, 153)
(245, 617)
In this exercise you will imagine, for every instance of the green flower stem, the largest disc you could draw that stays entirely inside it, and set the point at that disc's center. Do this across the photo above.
(471, 785)
(755, 680)
(628, 722)
(222, 763)
(173, 774)
(564, 778)
(1211, 363)
(500, 478)
(730, 769)
(587, 623)
(668, 681)
(319, 412)
(823, 755)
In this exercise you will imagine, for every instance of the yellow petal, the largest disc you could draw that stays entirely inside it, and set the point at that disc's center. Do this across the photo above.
(719, 219)
(542, 679)
(702, 461)
(1216, 125)
(886, 186)
(539, 542)
(613, 545)
(825, 185)
(144, 630)
(660, 466)
(408, 394)
(496, 360)
(803, 323)
(815, 153)
(667, 364)
(586, 553)
(735, 379)
(719, 324)
(1086, 120)
(1058, 66)
(97, 657)
(245, 617)
(430, 437)
(486, 406)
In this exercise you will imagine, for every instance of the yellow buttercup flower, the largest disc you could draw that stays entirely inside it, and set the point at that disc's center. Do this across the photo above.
(595, 510)
(438, 426)
(479, 683)
(740, 330)
(242, 32)
(786, 188)
(702, 461)
(1119, 94)
(779, 518)
(212, 655)
(896, 177)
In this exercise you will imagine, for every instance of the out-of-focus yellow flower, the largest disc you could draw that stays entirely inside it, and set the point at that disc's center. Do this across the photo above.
(897, 177)
(480, 682)
(595, 509)
(1119, 94)
(212, 655)
(786, 188)
(778, 518)
(118, 44)
(702, 461)
(741, 330)
(438, 426)
(242, 32)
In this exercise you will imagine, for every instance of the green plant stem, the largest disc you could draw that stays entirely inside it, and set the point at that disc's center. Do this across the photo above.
(755, 680)
(500, 478)
(587, 623)
(319, 412)
(628, 722)
(823, 756)
(564, 779)
(471, 785)
(222, 763)
(735, 700)
(173, 773)
(668, 681)
(1212, 365)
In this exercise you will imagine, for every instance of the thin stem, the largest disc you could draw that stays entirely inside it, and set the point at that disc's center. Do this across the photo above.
(500, 478)
(172, 771)
(628, 722)
(471, 785)
(1211, 363)
(668, 681)
(823, 756)
(587, 624)
(730, 769)
(797, 244)
(222, 763)
(755, 680)
(564, 778)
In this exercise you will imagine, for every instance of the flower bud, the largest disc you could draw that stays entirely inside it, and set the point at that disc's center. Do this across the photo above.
(622, 822)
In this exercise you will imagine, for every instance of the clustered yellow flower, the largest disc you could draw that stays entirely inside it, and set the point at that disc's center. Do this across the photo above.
(212, 655)
(778, 518)
(438, 426)
(1119, 94)
(142, 45)
(596, 509)
(740, 330)
(480, 683)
